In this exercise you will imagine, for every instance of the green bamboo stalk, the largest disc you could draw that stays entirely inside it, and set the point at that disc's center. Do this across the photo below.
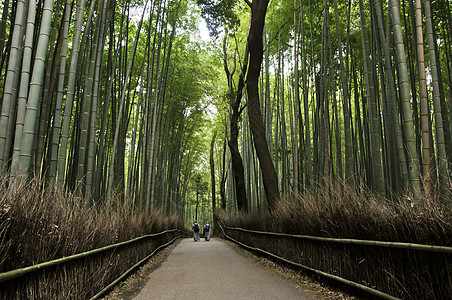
(35, 89)
(157, 112)
(283, 129)
(324, 98)
(89, 181)
(393, 113)
(67, 115)
(111, 69)
(404, 85)
(47, 96)
(146, 119)
(296, 101)
(23, 88)
(349, 170)
(138, 111)
(87, 100)
(3, 22)
(59, 100)
(151, 113)
(9, 101)
(307, 128)
(425, 128)
(444, 178)
(152, 139)
(121, 106)
(275, 106)
(375, 142)
(336, 118)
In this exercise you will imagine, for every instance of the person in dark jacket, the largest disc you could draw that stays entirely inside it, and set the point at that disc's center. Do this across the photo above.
(195, 228)
(206, 231)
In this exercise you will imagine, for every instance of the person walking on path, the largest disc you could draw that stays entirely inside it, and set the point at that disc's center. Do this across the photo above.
(206, 231)
(195, 228)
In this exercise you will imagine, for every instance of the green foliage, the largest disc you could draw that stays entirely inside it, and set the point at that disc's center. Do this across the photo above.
(218, 14)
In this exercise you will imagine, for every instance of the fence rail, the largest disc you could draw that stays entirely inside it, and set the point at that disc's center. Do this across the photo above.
(400, 245)
(5, 276)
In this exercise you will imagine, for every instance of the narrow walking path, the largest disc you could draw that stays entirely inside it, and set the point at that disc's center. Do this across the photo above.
(211, 270)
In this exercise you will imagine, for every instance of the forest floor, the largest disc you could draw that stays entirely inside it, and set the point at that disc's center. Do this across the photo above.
(212, 270)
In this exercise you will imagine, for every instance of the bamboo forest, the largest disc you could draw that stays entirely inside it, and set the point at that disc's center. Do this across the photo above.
(324, 119)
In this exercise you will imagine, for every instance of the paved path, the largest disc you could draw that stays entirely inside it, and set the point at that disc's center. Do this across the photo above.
(212, 270)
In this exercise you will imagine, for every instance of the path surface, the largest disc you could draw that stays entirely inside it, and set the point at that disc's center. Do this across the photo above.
(212, 270)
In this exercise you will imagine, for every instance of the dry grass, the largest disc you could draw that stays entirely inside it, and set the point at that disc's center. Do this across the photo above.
(342, 213)
(38, 226)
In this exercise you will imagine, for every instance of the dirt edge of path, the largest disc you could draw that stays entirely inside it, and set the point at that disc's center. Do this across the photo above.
(134, 283)
(299, 279)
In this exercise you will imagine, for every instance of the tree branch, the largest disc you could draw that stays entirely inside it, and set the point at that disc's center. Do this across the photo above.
(242, 108)
(277, 32)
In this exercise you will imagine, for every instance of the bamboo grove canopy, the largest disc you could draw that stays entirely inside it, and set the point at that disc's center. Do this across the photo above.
(104, 97)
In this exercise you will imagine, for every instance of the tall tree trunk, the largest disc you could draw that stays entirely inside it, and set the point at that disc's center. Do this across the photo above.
(258, 12)
(223, 177)
(268, 115)
(212, 174)
(237, 164)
